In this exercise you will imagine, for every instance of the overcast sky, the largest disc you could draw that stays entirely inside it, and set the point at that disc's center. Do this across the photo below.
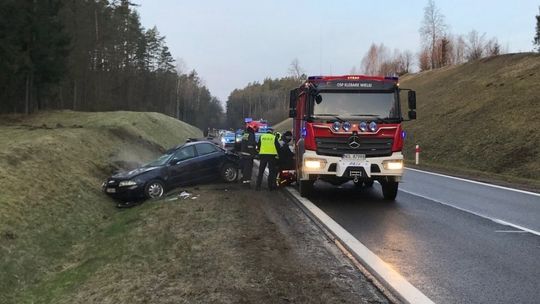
(233, 42)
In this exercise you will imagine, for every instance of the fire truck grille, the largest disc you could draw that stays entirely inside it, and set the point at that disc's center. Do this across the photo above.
(370, 146)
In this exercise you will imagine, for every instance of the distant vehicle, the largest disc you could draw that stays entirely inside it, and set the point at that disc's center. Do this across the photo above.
(190, 163)
(228, 139)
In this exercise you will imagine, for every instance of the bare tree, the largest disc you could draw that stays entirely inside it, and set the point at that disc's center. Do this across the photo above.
(375, 62)
(475, 45)
(459, 49)
(295, 70)
(433, 28)
(492, 47)
(424, 62)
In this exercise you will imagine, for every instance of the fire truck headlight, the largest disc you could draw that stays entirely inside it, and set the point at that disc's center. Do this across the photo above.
(347, 126)
(336, 125)
(393, 164)
(313, 163)
(363, 126)
(373, 126)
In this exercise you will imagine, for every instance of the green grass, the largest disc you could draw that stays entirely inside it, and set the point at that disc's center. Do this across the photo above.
(51, 168)
(482, 116)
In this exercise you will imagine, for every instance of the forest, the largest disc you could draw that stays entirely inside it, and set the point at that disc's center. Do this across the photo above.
(93, 55)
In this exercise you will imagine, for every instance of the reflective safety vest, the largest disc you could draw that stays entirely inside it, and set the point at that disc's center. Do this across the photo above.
(268, 144)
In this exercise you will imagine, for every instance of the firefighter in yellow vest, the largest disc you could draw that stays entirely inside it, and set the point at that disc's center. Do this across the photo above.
(268, 146)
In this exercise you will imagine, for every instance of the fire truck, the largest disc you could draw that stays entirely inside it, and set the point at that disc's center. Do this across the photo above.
(349, 128)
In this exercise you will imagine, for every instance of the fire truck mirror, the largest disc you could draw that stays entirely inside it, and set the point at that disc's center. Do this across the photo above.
(318, 99)
(292, 113)
(292, 99)
(412, 114)
(412, 100)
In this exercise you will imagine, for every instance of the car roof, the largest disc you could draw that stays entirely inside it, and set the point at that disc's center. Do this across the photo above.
(190, 143)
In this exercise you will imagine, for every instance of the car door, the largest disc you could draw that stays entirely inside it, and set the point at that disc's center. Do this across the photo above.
(183, 167)
(209, 158)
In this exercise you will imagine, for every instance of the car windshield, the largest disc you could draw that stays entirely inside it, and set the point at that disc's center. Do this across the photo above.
(369, 104)
(229, 135)
(161, 161)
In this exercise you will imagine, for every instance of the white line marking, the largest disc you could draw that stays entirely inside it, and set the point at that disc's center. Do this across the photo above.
(379, 268)
(511, 231)
(496, 220)
(476, 182)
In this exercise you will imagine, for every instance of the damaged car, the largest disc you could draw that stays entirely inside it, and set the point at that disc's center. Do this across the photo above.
(187, 164)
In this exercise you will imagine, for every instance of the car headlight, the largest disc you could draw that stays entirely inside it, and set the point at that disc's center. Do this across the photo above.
(127, 183)
(393, 164)
(313, 163)
(336, 125)
(373, 126)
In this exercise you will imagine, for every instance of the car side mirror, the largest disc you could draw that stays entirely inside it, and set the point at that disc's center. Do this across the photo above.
(412, 100)
(174, 162)
(412, 114)
(318, 99)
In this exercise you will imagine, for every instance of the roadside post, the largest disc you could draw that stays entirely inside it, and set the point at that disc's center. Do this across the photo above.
(417, 154)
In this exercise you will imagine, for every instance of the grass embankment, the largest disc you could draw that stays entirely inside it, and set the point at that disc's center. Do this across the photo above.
(51, 168)
(480, 119)
(283, 126)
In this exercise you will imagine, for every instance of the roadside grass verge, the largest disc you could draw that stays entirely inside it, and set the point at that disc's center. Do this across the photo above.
(481, 116)
(51, 168)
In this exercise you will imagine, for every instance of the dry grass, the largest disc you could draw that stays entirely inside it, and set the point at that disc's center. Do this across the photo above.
(480, 116)
(51, 168)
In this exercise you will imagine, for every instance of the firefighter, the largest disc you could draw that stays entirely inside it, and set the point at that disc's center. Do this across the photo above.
(268, 147)
(286, 156)
(247, 153)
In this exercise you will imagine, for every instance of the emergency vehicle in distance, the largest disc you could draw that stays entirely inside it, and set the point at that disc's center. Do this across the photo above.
(349, 128)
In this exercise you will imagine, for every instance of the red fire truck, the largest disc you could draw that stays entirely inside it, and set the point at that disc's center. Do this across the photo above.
(349, 128)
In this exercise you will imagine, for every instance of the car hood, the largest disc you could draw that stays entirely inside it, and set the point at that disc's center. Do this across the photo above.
(133, 173)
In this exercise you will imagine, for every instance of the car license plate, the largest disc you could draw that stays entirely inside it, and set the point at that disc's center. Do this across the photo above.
(355, 173)
(360, 157)
(111, 190)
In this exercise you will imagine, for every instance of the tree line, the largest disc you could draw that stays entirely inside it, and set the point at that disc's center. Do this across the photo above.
(93, 55)
(439, 48)
(268, 100)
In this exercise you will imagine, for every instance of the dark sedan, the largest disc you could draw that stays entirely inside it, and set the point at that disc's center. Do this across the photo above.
(191, 163)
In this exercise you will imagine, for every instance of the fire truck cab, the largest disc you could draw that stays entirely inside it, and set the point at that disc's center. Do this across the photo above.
(349, 128)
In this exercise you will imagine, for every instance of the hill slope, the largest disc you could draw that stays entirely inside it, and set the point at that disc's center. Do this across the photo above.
(51, 168)
(483, 115)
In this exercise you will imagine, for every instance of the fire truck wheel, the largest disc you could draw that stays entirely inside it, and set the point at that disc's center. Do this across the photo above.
(368, 183)
(389, 189)
(306, 187)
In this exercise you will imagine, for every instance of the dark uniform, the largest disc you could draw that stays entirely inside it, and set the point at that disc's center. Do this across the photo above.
(268, 147)
(248, 150)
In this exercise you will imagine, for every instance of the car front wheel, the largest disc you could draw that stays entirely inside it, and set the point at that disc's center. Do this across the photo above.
(154, 189)
(229, 173)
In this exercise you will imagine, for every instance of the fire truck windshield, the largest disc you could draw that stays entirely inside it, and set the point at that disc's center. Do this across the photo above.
(347, 104)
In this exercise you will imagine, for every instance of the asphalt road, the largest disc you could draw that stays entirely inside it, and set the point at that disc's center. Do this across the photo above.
(444, 236)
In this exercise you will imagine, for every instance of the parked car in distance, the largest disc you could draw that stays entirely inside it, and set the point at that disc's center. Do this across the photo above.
(190, 163)
(228, 139)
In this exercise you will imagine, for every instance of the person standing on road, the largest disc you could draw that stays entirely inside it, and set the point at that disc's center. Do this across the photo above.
(268, 147)
(247, 153)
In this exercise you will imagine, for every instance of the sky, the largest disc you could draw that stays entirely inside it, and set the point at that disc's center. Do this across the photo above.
(231, 43)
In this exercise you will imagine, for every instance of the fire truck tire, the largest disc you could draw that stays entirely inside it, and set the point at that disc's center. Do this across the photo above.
(305, 187)
(368, 183)
(390, 189)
